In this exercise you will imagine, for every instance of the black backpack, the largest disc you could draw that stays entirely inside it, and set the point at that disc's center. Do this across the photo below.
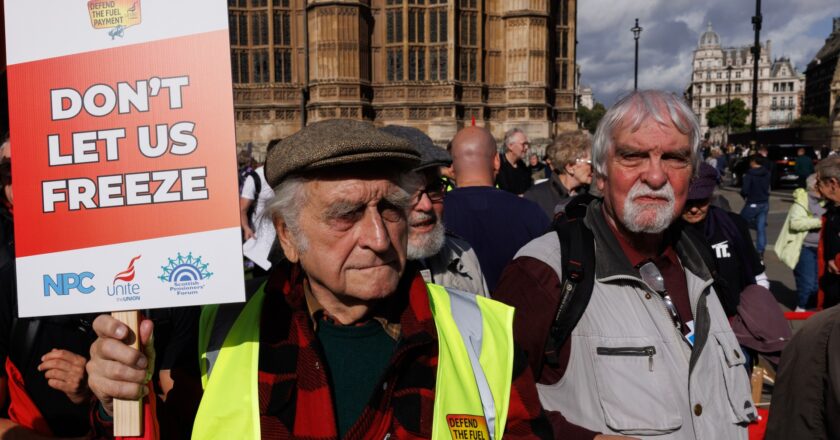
(578, 264)
(257, 188)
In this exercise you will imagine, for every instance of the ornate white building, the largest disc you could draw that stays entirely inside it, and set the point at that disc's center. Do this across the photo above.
(718, 68)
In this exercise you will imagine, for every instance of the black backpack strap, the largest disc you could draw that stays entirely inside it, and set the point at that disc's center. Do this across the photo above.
(577, 249)
(23, 336)
(257, 183)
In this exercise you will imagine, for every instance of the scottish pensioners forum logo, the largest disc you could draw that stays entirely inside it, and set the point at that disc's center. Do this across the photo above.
(123, 288)
(186, 275)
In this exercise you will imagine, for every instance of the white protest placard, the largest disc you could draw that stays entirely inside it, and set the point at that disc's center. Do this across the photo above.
(121, 116)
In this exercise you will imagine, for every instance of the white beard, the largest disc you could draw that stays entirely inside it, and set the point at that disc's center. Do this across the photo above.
(426, 245)
(650, 219)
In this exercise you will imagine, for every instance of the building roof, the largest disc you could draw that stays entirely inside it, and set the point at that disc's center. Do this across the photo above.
(830, 49)
(710, 38)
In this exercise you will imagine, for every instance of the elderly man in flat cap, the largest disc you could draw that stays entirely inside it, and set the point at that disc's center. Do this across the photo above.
(446, 259)
(346, 341)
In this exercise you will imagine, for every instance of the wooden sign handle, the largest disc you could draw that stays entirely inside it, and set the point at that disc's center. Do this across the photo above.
(128, 414)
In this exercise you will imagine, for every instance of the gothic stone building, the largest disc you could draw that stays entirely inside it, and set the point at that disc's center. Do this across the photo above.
(717, 68)
(432, 64)
(822, 86)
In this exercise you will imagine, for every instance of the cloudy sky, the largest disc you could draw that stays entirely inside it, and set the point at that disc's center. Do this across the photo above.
(672, 28)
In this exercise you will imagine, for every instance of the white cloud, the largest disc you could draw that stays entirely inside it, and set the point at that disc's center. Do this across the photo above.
(671, 32)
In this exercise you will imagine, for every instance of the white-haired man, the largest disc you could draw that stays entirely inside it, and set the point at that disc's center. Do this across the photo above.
(652, 353)
(514, 175)
(346, 341)
(446, 259)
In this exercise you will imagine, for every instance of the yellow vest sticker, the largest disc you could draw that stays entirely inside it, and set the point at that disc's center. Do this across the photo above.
(467, 427)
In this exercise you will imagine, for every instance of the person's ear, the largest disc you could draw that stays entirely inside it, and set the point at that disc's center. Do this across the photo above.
(287, 240)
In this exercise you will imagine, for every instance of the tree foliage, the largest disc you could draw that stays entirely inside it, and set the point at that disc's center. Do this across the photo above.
(589, 118)
(810, 120)
(718, 116)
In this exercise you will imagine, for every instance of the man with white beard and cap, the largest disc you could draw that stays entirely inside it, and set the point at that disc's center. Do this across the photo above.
(446, 259)
(651, 353)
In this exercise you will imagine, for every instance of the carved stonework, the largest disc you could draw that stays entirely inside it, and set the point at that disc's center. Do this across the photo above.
(357, 70)
(327, 92)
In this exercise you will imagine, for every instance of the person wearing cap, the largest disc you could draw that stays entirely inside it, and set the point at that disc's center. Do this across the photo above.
(737, 261)
(446, 259)
(346, 340)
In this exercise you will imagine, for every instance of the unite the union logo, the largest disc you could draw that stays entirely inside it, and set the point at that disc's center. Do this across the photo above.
(186, 275)
(123, 288)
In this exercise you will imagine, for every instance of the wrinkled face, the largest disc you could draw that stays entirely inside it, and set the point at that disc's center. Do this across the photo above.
(356, 233)
(648, 174)
(425, 218)
(581, 170)
(829, 188)
(519, 145)
(695, 210)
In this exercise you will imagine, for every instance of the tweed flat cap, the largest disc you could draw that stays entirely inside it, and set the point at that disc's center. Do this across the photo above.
(430, 154)
(332, 143)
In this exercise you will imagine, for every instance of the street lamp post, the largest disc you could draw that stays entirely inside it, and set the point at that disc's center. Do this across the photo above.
(636, 32)
(728, 102)
(756, 50)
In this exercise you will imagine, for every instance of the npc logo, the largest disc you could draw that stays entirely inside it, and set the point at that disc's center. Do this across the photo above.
(63, 284)
(116, 15)
(186, 275)
(123, 288)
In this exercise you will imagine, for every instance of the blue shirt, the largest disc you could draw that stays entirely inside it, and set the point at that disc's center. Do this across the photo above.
(496, 223)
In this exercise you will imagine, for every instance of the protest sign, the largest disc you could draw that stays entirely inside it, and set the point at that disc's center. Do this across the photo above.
(121, 116)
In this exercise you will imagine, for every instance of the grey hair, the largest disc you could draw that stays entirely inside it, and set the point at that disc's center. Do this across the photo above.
(509, 134)
(289, 197)
(829, 168)
(811, 182)
(291, 194)
(635, 108)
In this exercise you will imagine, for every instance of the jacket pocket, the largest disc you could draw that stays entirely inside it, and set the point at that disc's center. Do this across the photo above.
(738, 392)
(635, 389)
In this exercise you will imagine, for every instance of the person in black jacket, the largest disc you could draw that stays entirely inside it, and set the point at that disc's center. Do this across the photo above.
(514, 176)
(756, 193)
(828, 183)
(727, 234)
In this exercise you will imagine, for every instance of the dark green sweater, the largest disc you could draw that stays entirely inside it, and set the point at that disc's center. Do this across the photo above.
(356, 359)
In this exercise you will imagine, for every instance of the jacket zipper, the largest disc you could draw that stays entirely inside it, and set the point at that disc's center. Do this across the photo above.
(648, 351)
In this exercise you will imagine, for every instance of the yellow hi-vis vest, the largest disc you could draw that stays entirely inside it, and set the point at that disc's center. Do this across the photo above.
(474, 374)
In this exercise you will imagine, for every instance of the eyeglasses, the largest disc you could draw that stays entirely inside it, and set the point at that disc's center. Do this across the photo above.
(653, 277)
(436, 189)
(586, 161)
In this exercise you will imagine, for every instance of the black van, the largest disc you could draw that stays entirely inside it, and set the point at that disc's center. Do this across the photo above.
(782, 157)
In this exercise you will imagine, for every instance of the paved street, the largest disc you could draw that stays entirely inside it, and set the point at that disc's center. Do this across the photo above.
(781, 276)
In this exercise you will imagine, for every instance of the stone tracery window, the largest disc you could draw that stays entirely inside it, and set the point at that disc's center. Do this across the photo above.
(260, 37)
(468, 50)
(416, 35)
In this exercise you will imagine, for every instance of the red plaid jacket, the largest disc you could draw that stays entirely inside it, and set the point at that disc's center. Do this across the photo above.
(295, 396)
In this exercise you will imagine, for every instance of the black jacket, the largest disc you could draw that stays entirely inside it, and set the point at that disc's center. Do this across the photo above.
(756, 188)
(830, 283)
(515, 180)
(548, 195)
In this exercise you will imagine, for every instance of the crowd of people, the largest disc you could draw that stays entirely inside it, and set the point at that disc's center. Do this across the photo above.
(403, 290)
